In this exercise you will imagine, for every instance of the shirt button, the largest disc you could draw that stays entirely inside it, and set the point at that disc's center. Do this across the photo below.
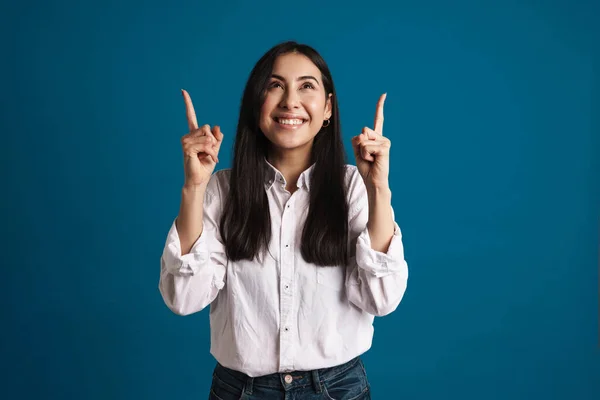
(286, 329)
(288, 379)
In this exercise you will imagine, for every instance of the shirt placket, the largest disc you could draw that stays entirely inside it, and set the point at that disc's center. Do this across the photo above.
(287, 325)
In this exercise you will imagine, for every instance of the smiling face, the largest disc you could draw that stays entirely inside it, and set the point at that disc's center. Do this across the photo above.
(295, 104)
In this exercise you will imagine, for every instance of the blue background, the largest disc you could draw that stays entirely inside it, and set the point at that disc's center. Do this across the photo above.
(493, 112)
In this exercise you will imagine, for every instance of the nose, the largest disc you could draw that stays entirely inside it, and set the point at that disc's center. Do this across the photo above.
(289, 100)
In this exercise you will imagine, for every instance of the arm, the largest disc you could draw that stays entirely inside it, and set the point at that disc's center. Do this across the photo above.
(376, 280)
(193, 262)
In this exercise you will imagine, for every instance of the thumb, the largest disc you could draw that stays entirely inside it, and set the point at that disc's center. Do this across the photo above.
(216, 131)
(355, 147)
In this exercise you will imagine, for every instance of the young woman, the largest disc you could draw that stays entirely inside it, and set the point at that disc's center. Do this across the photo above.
(294, 250)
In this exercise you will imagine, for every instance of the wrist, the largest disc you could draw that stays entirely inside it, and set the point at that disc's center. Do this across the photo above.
(193, 191)
(194, 188)
(379, 192)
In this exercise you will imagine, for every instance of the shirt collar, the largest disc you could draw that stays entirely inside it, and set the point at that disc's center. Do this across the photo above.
(274, 175)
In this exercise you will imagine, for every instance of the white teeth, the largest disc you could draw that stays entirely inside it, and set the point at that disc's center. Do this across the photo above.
(290, 121)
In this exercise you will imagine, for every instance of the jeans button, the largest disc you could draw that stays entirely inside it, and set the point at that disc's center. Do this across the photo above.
(288, 379)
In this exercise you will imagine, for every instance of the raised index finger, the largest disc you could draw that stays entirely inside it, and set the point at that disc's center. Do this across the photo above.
(378, 127)
(189, 111)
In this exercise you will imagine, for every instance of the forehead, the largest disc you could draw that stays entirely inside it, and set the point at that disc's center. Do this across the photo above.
(293, 65)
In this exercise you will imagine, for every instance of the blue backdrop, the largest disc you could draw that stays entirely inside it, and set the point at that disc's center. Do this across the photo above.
(493, 112)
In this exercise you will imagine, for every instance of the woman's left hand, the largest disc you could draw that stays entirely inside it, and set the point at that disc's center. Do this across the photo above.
(372, 152)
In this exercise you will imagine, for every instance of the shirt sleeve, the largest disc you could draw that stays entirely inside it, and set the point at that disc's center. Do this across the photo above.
(188, 283)
(376, 281)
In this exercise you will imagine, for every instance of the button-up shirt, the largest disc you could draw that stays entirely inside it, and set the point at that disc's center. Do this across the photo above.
(282, 313)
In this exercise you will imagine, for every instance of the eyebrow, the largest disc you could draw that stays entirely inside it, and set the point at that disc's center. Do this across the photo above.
(302, 78)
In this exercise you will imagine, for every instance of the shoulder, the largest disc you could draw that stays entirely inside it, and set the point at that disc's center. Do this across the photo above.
(356, 190)
(353, 179)
(351, 173)
(218, 185)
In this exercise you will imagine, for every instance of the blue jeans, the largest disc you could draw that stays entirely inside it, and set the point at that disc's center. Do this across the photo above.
(343, 382)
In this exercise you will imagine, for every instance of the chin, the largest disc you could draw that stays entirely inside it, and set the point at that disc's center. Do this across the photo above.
(294, 143)
(284, 145)
(286, 139)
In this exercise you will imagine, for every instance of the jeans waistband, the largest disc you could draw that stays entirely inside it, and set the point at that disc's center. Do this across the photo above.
(298, 378)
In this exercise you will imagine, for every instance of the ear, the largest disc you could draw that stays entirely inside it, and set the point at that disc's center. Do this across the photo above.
(328, 107)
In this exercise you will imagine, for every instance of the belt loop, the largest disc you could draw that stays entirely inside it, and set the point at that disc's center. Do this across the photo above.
(316, 381)
(249, 384)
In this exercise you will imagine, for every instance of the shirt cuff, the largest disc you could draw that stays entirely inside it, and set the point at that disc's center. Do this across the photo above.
(378, 263)
(186, 264)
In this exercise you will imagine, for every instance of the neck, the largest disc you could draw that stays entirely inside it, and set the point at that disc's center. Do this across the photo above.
(291, 163)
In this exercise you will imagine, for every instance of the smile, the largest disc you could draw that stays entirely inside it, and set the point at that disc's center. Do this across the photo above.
(290, 123)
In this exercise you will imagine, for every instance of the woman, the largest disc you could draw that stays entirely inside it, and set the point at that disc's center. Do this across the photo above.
(294, 251)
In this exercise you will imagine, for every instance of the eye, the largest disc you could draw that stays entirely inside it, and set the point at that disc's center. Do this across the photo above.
(275, 84)
(307, 85)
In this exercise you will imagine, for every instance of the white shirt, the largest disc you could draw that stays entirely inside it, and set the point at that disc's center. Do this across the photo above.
(284, 314)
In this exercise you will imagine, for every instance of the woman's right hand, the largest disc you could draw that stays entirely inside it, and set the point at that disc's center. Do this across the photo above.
(200, 148)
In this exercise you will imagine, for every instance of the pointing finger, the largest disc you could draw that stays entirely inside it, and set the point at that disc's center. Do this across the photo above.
(378, 126)
(189, 111)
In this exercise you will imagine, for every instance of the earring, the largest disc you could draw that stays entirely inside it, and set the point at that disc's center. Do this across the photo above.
(328, 122)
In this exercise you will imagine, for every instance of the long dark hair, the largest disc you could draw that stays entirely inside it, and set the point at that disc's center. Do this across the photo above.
(246, 222)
